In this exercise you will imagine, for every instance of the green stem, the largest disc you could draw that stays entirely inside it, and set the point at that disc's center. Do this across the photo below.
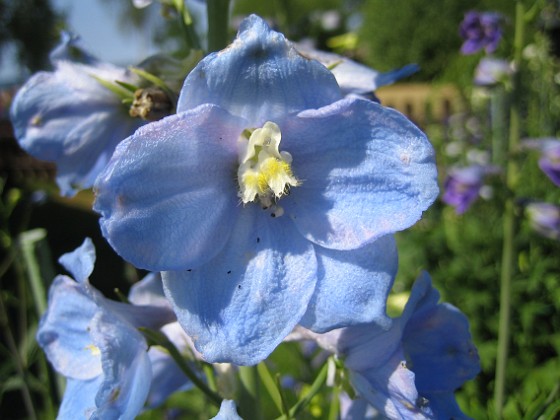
(510, 225)
(187, 25)
(250, 397)
(315, 388)
(498, 124)
(218, 24)
(20, 368)
(160, 339)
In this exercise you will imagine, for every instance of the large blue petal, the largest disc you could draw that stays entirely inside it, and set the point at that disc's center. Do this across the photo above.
(353, 286)
(68, 117)
(127, 373)
(79, 399)
(366, 171)
(169, 193)
(63, 331)
(239, 306)
(260, 77)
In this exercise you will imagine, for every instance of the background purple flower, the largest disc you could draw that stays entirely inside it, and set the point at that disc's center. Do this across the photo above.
(462, 186)
(544, 218)
(549, 161)
(480, 30)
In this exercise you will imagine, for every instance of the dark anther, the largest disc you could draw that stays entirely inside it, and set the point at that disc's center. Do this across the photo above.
(151, 104)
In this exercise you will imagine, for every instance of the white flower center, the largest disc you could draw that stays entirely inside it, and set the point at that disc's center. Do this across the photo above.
(265, 173)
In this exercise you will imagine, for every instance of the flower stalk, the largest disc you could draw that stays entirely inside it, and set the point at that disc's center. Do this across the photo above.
(510, 222)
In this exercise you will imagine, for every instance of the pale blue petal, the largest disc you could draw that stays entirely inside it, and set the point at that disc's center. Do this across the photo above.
(390, 77)
(444, 406)
(167, 377)
(239, 306)
(148, 291)
(69, 49)
(78, 402)
(259, 77)
(69, 118)
(365, 171)
(352, 286)
(127, 373)
(80, 262)
(169, 194)
(228, 411)
(353, 77)
(390, 389)
(64, 331)
(441, 350)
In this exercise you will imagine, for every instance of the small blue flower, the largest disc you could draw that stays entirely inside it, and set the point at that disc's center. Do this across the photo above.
(94, 343)
(68, 117)
(412, 369)
(268, 200)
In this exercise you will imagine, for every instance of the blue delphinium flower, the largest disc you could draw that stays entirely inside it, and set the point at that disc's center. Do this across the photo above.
(94, 343)
(268, 198)
(412, 369)
(544, 218)
(68, 117)
(549, 161)
(463, 184)
(481, 31)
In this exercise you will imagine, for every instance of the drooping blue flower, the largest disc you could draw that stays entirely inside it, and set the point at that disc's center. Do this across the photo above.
(94, 343)
(268, 199)
(411, 370)
(480, 31)
(463, 184)
(68, 117)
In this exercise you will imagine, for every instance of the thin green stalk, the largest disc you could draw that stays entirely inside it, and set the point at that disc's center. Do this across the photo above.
(187, 25)
(315, 388)
(218, 24)
(160, 339)
(210, 377)
(510, 223)
(27, 241)
(250, 396)
(270, 384)
(11, 343)
(498, 124)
